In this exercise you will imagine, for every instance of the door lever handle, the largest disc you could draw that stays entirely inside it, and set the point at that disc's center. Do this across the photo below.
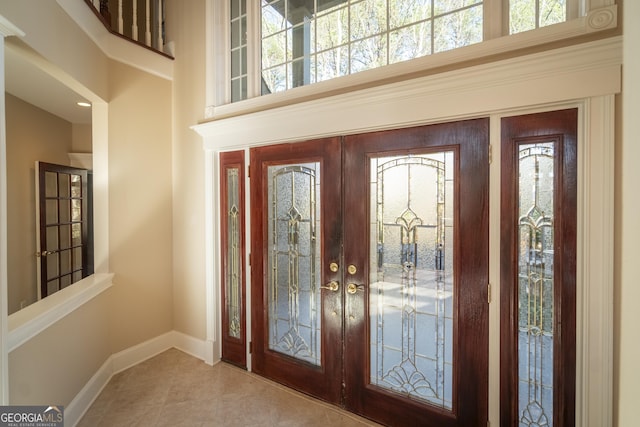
(352, 288)
(332, 286)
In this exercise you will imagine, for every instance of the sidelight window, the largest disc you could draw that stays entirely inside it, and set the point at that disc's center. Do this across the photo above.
(536, 283)
(538, 269)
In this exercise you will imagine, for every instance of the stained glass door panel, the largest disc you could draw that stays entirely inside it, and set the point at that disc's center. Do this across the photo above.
(535, 283)
(416, 232)
(293, 219)
(411, 275)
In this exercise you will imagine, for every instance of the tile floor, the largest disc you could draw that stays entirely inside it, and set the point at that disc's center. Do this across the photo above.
(175, 389)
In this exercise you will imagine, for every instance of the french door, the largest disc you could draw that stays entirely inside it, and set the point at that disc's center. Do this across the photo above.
(63, 227)
(369, 261)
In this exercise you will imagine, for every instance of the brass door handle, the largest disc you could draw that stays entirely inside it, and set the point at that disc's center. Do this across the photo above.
(352, 288)
(332, 286)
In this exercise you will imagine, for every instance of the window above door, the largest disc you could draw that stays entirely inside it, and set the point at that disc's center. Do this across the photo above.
(275, 46)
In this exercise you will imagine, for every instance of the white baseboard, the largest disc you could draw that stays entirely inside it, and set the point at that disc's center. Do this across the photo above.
(83, 400)
(190, 345)
(141, 352)
(125, 359)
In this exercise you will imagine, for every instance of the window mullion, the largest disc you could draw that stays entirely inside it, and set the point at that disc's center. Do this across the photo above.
(496, 23)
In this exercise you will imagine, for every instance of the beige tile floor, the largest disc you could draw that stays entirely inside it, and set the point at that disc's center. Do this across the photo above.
(175, 389)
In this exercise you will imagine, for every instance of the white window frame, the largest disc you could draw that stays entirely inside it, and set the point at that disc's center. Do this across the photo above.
(584, 17)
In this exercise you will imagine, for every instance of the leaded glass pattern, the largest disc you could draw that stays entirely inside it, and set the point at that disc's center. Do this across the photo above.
(411, 276)
(294, 260)
(536, 284)
(234, 264)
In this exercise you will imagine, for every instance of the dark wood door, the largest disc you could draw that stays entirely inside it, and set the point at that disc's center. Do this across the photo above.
(295, 264)
(397, 253)
(416, 251)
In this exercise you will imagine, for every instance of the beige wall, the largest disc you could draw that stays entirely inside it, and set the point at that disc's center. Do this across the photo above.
(627, 375)
(81, 141)
(140, 205)
(49, 141)
(55, 365)
(58, 362)
(187, 29)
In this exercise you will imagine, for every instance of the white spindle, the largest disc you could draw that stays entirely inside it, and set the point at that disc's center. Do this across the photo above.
(160, 40)
(147, 34)
(134, 26)
(120, 20)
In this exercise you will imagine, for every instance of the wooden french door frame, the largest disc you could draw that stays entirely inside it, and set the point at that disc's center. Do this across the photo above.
(468, 141)
(64, 235)
(322, 381)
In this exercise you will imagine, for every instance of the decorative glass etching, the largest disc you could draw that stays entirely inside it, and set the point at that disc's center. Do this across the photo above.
(411, 275)
(536, 283)
(234, 264)
(294, 260)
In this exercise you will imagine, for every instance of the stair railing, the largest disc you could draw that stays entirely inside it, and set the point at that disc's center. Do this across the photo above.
(141, 21)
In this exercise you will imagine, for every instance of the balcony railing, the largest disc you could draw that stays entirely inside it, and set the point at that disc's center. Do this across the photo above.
(140, 21)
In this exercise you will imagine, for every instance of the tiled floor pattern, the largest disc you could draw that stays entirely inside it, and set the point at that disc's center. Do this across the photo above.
(175, 389)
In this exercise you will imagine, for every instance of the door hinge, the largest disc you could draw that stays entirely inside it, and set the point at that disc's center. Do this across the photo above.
(488, 293)
(490, 153)
(250, 347)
